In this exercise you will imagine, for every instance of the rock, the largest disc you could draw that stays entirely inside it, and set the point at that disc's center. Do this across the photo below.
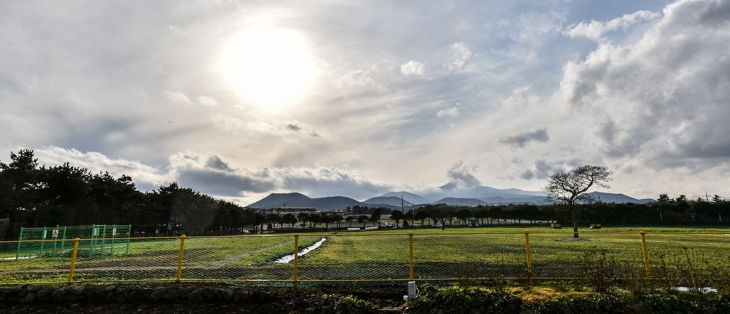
(241, 295)
(171, 295)
(110, 296)
(136, 297)
(261, 295)
(196, 295)
(45, 292)
(59, 293)
(76, 290)
(157, 294)
(208, 293)
(227, 294)
(22, 293)
(183, 292)
(29, 298)
(109, 288)
(121, 297)
(35, 289)
(89, 290)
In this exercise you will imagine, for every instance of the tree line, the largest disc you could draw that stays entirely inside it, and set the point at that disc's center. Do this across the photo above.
(36, 196)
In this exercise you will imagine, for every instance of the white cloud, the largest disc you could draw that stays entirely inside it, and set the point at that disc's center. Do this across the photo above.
(97, 162)
(596, 29)
(412, 68)
(462, 53)
(664, 98)
(356, 82)
(176, 96)
(451, 112)
(207, 101)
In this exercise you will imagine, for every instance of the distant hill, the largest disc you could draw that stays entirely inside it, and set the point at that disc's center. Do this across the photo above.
(332, 202)
(407, 196)
(453, 201)
(387, 200)
(618, 198)
(275, 200)
(516, 199)
(461, 198)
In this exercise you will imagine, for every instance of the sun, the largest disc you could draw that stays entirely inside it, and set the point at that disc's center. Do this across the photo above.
(271, 68)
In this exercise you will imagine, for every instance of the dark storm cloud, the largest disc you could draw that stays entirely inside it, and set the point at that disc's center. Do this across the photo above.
(222, 183)
(216, 162)
(460, 177)
(522, 139)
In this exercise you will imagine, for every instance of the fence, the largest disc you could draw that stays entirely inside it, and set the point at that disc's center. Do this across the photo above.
(370, 257)
(49, 241)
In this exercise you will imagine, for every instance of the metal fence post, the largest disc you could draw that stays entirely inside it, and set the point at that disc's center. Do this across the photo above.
(180, 258)
(646, 254)
(410, 241)
(20, 241)
(295, 278)
(73, 261)
(529, 256)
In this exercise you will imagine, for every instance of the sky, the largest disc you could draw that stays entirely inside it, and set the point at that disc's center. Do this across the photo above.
(239, 99)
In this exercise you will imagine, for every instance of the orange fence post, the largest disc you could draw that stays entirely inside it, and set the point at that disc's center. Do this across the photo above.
(180, 258)
(646, 254)
(296, 260)
(529, 256)
(73, 261)
(410, 240)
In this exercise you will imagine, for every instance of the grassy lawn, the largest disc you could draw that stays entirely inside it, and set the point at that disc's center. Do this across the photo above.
(384, 254)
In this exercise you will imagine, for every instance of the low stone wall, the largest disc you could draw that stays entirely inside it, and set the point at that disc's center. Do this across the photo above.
(38, 294)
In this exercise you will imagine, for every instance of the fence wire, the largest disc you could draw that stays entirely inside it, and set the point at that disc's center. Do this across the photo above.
(673, 258)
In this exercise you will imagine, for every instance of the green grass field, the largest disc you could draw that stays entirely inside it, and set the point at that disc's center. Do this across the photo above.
(375, 255)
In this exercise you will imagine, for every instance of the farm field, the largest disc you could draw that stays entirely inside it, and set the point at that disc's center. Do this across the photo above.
(375, 255)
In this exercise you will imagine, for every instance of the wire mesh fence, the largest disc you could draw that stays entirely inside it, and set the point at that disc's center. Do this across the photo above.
(677, 258)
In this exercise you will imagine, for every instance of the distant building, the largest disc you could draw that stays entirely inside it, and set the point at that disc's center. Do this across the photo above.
(287, 209)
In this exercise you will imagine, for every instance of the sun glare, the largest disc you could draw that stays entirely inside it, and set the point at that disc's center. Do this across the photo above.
(270, 68)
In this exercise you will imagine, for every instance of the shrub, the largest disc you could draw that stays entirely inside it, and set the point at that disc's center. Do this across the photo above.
(333, 303)
(461, 300)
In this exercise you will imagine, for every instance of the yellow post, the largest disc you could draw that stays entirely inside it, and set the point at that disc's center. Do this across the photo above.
(529, 256)
(410, 240)
(73, 261)
(296, 259)
(180, 258)
(646, 254)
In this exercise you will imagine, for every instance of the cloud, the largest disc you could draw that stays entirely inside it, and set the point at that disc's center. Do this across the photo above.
(460, 177)
(412, 68)
(149, 176)
(176, 96)
(207, 101)
(451, 112)
(461, 54)
(522, 139)
(356, 82)
(595, 29)
(663, 98)
(521, 97)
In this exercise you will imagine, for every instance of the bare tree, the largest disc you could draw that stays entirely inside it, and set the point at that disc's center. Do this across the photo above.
(570, 187)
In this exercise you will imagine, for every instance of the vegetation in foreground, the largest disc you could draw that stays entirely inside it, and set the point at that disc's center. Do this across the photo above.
(204, 298)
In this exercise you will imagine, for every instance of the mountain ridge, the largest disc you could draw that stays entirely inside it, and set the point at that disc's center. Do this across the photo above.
(482, 195)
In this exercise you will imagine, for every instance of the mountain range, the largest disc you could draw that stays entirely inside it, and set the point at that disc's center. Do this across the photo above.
(481, 195)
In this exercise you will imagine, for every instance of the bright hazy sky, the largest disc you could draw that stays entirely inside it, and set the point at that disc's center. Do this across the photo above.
(239, 99)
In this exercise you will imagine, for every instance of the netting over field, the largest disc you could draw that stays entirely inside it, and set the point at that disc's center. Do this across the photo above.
(52, 241)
